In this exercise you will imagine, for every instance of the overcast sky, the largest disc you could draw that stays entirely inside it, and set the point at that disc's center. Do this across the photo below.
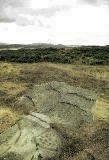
(76, 22)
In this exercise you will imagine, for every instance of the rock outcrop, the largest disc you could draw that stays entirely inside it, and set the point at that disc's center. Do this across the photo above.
(35, 136)
(64, 104)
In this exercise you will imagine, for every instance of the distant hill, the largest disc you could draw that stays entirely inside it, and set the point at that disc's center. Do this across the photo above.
(39, 45)
(30, 46)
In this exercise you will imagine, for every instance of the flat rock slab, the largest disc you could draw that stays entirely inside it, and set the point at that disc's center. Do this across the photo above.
(32, 137)
(63, 103)
(29, 140)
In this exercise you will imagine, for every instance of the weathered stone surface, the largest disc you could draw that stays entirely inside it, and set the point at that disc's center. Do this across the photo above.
(56, 103)
(62, 103)
(29, 139)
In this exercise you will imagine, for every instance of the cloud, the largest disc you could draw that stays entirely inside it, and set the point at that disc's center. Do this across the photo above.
(46, 12)
(20, 12)
(10, 9)
(54, 21)
(96, 2)
(90, 1)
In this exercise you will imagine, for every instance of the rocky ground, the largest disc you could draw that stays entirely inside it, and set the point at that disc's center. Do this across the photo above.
(42, 118)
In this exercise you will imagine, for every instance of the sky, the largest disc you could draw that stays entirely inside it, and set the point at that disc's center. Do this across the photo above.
(68, 22)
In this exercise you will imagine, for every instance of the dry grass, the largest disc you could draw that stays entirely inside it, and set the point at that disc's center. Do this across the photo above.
(8, 69)
(16, 78)
(101, 109)
(97, 72)
(12, 88)
(7, 118)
